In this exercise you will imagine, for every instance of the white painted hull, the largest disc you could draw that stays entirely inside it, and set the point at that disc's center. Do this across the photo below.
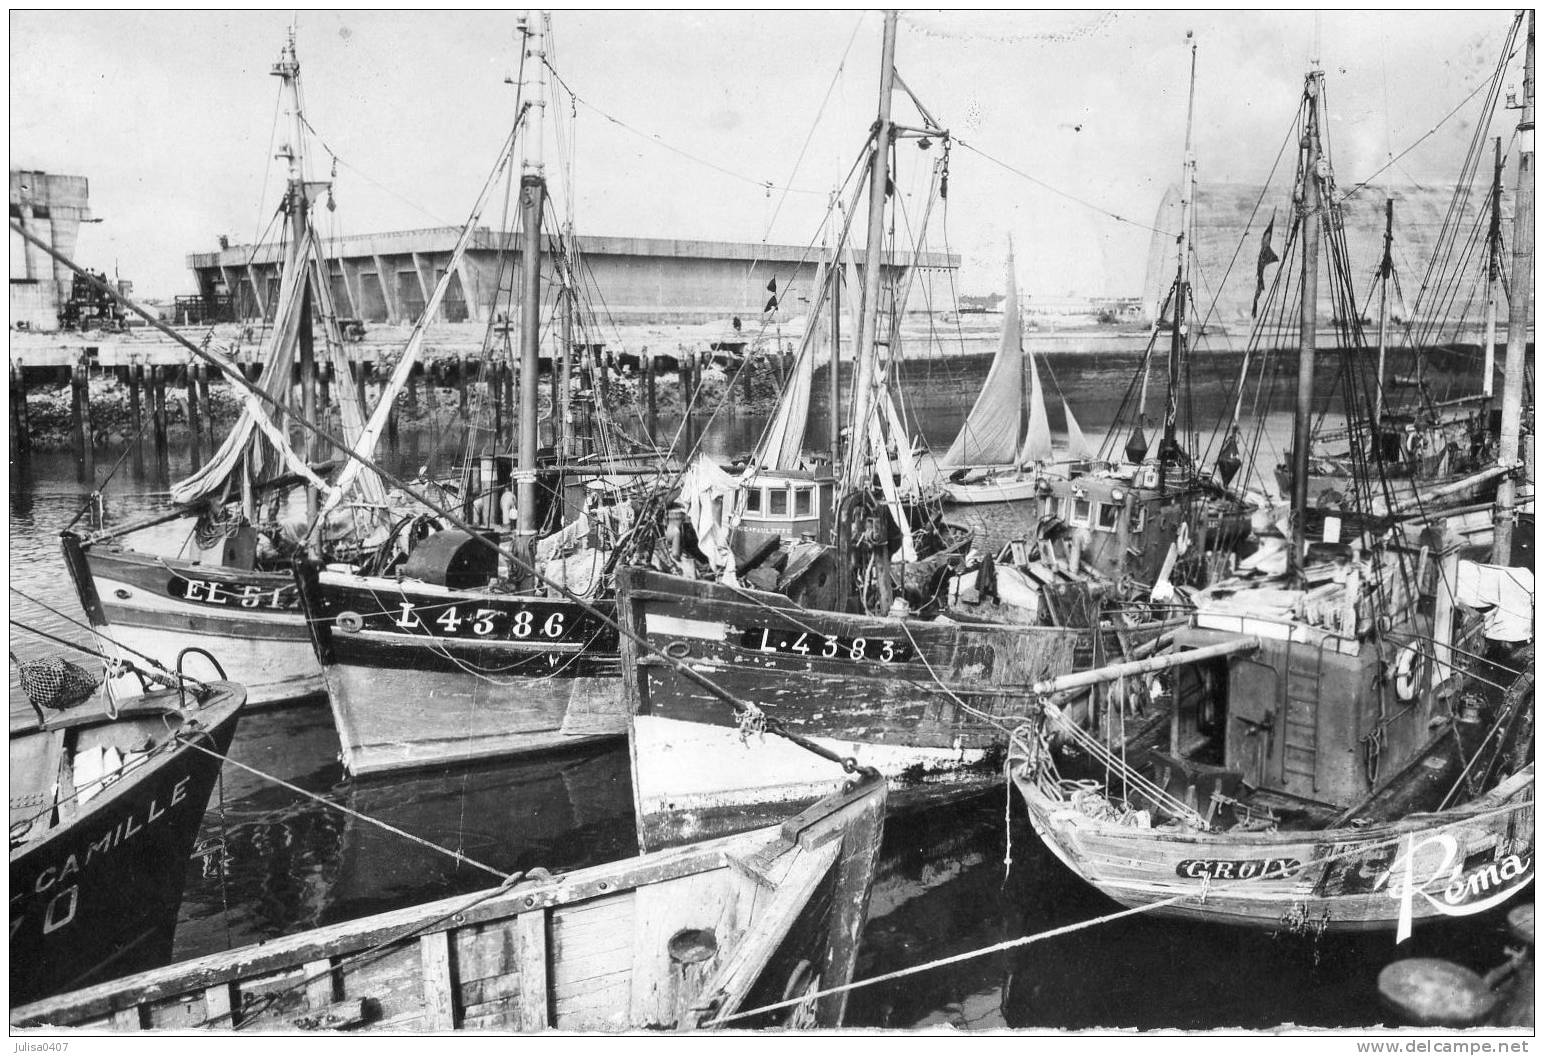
(693, 780)
(1014, 489)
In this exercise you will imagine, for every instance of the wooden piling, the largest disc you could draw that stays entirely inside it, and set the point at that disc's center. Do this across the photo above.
(158, 407)
(647, 364)
(461, 370)
(360, 370)
(745, 377)
(80, 417)
(21, 429)
(323, 388)
(412, 392)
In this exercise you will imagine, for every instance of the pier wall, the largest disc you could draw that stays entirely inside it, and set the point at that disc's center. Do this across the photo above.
(52, 207)
(389, 277)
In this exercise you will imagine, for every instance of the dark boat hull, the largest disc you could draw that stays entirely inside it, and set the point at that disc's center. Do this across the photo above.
(420, 675)
(99, 897)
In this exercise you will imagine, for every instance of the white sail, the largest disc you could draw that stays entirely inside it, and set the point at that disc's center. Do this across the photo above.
(1037, 435)
(1077, 443)
(783, 441)
(990, 434)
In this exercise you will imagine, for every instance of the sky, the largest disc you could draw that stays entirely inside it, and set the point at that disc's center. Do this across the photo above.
(1069, 124)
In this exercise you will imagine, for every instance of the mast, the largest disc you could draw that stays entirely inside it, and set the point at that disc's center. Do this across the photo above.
(564, 414)
(533, 189)
(1492, 281)
(863, 346)
(1168, 448)
(287, 69)
(1315, 168)
(1385, 272)
(834, 382)
(1519, 311)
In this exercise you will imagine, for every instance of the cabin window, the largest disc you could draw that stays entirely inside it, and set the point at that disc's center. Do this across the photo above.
(1138, 517)
(1081, 509)
(778, 499)
(802, 501)
(1109, 516)
(753, 501)
(1050, 506)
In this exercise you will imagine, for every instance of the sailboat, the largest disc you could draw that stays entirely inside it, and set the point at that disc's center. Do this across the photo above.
(1007, 432)
(1335, 756)
(1114, 527)
(229, 589)
(815, 636)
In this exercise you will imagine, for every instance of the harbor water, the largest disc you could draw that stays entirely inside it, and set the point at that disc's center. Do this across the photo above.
(290, 843)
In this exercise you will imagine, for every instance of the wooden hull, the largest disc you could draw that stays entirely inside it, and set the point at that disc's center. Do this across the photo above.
(1460, 861)
(676, 940)
(879, 702)
(97, 894)
(420, 675)
(248, 620)
(1005, 489)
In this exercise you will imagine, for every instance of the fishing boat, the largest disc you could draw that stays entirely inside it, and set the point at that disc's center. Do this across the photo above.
(1334, 757)
(756, 931)
(225, 584)
(443, 652)
(825, 636)
(1131, 523)
(107, 796)
(1434, 453)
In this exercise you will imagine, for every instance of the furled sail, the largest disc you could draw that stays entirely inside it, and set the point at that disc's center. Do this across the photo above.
(278, 363)
(990, 434)
(1037, 436)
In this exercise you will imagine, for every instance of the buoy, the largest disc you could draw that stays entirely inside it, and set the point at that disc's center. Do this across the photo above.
(1429, 992)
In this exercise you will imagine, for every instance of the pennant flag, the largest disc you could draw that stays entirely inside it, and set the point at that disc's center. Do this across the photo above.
(772, 300)
(1267, 257)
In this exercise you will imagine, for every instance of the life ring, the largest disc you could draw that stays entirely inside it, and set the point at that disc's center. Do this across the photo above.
(1407, 672)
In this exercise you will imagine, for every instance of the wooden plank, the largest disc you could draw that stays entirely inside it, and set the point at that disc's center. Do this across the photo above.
(484, 952)
(321, 989)
(219, 1007)
(532, 929)
(439, 996)
(660, 988)
(128, 1019)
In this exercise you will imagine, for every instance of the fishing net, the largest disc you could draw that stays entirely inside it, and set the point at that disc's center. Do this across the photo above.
(54, 682)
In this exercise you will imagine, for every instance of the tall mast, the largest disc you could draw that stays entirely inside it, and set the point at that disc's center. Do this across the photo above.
(863, 346)
(1314, 169)
(1518, 316)
(533, 189)
(1385, 272)
(1492, 282)
(287, 69)
(834, 380)
(1168, 449)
